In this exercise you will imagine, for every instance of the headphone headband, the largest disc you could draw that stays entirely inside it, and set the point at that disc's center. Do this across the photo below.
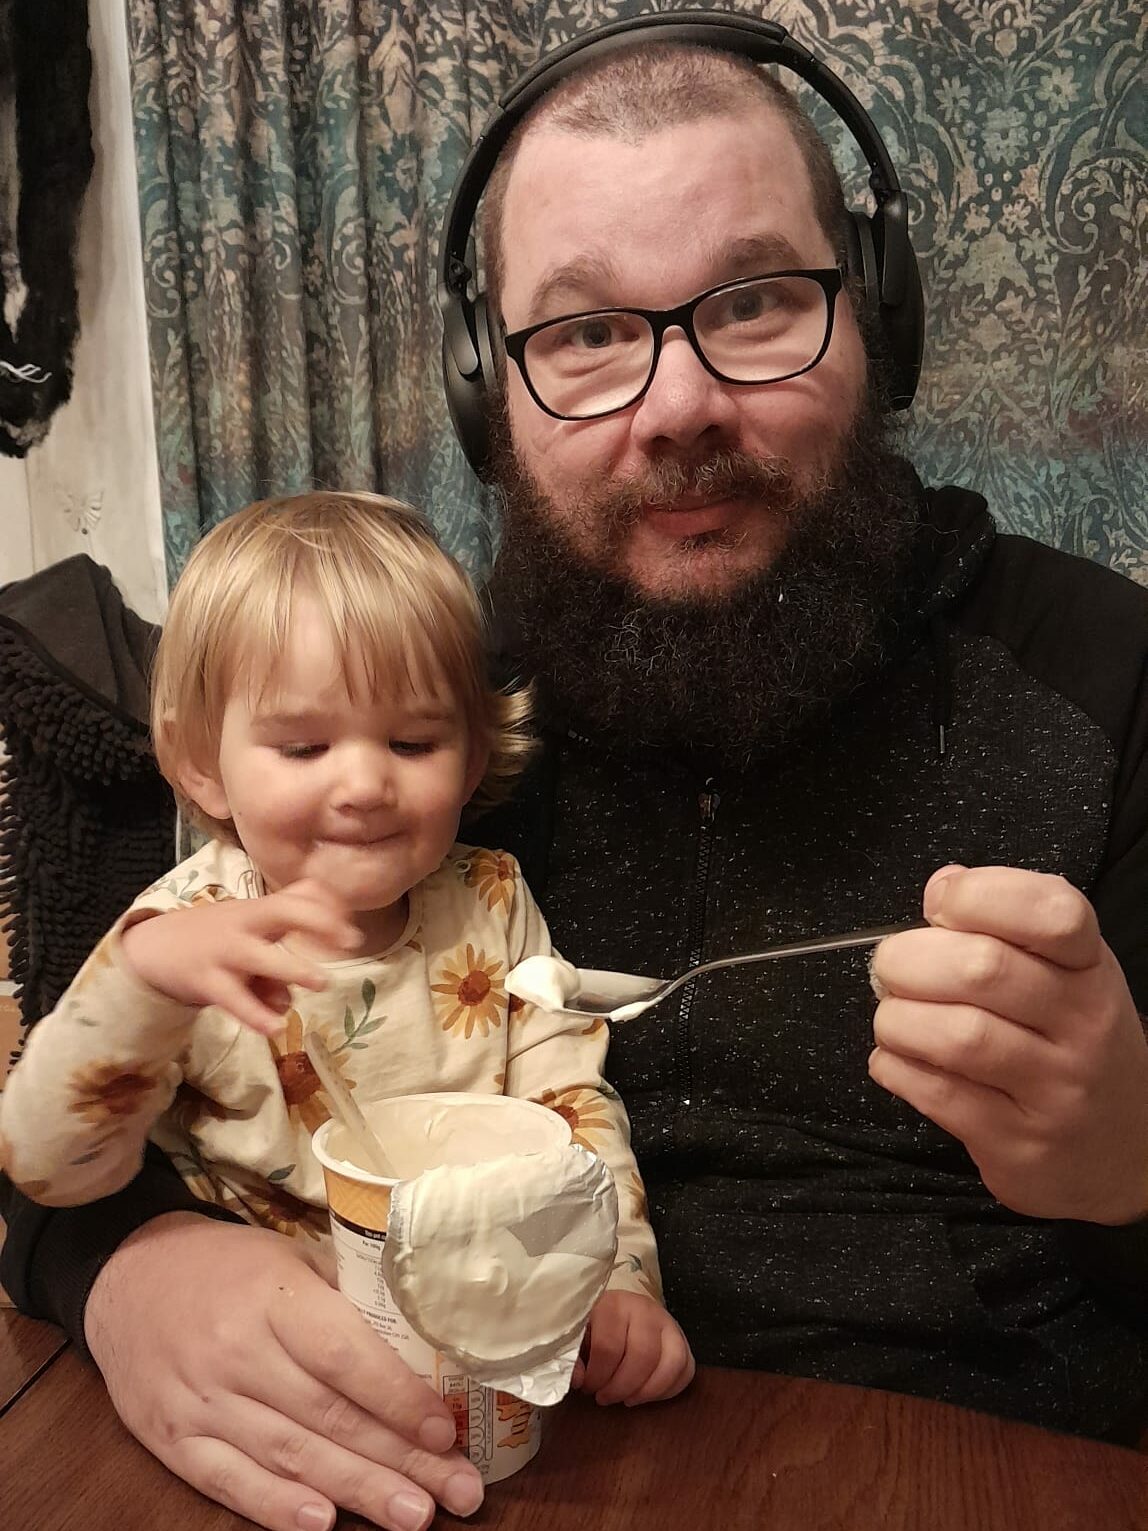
(884, 261)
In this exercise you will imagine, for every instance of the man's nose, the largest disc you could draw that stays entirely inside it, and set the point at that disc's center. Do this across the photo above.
(684, 401)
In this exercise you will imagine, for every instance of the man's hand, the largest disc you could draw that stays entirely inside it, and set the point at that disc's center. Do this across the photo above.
(634, 1352)
(236, 1364)
(228, 954)
(1010, 1025)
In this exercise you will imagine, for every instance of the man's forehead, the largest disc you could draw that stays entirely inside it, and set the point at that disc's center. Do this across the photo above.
(553, 163)
(579, 209)
(545, 139)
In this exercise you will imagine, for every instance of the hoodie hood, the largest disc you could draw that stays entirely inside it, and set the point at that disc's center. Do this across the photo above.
(957, 533)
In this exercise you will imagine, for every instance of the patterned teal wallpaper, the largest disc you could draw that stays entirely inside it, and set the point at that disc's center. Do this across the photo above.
(295, 157)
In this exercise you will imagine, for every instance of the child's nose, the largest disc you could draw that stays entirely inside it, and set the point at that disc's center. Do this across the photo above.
(367, 780)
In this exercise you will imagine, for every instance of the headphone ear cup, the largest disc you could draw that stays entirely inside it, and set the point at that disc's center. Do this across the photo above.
(901, 300)
(901, 321)
(465, 361)
(486, 383)
(861, 261)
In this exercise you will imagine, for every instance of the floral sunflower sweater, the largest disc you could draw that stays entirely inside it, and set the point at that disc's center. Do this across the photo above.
(117, 1062)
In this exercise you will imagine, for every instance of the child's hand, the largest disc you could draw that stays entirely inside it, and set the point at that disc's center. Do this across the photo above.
(228, 954)
(634, 1352)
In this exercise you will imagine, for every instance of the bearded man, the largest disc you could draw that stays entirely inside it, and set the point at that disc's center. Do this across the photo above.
(784, 689)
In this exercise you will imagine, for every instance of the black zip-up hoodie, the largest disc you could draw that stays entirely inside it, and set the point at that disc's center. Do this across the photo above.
(808, 1221)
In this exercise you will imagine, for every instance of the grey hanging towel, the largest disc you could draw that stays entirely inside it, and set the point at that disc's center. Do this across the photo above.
(45, 166)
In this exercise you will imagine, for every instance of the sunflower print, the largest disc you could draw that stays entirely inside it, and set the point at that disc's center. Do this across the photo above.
(277, 1209)
(471, 995)
(298, 1080)
(584, 1111)
(101, 956)
(638, 1199)
(491, 873)
(103, 1092)
(191, 1107)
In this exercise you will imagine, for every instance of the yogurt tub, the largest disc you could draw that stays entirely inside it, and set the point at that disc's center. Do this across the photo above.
(499, 1433)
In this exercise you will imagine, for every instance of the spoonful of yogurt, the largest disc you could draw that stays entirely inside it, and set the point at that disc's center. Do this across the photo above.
(557, 985)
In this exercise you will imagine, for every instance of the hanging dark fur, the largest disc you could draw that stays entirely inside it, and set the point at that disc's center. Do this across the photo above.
(86, 820)
(45, 165)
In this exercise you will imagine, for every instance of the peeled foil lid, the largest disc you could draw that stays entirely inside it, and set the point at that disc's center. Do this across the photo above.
(498, 1264)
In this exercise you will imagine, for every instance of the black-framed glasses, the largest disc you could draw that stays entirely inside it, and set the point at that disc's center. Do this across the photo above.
(759, 329)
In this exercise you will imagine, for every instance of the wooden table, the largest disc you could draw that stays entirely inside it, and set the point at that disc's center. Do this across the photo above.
(26, 1349)
(741, 1451)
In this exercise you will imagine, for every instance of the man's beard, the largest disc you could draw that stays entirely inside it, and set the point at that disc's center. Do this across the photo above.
(730, 675)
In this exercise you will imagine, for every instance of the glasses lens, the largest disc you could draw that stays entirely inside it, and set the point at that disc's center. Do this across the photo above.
(591, 364)
(756, 332)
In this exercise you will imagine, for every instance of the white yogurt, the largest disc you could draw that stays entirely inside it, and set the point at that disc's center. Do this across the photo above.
(547, 982)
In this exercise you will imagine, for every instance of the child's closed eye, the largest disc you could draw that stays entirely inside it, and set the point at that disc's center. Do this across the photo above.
(300, 751)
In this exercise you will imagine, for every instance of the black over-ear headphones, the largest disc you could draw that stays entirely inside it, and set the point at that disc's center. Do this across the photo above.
(879, 255)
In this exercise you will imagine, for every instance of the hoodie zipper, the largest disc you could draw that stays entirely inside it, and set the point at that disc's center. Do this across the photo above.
(708, 800)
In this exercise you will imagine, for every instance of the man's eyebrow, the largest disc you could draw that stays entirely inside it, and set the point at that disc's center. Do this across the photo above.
(759, 254)
(584, 278)
(578, 278)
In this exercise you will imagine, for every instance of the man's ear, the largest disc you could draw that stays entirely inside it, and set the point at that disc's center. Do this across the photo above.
(205, 790)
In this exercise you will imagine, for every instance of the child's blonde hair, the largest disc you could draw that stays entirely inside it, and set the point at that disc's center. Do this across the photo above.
(401, 612)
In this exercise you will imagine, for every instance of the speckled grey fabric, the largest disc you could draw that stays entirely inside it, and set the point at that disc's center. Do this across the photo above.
(808, 1221)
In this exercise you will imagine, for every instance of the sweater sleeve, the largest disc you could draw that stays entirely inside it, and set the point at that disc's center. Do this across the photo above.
(50, 1257)
(1115, 1259)
(558, 1060)
(1082, 631)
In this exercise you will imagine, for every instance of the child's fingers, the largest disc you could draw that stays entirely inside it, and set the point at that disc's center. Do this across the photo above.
(607, 1336)
(230, 994)
(307, 909)
(578, 1375)
(260, 958)
(270, 992)
(674, 1371)
(641, 1356)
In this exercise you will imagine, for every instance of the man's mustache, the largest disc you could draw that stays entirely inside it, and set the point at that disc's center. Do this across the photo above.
(668, 482)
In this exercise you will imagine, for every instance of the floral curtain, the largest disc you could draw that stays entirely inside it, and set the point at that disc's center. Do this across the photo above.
(295, 157)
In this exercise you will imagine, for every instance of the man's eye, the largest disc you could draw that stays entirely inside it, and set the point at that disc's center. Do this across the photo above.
(414, 746)
(300, 751)
(593, 334)
(746, 305)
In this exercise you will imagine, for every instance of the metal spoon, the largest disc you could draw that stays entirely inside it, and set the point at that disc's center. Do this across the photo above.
(622, 996)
